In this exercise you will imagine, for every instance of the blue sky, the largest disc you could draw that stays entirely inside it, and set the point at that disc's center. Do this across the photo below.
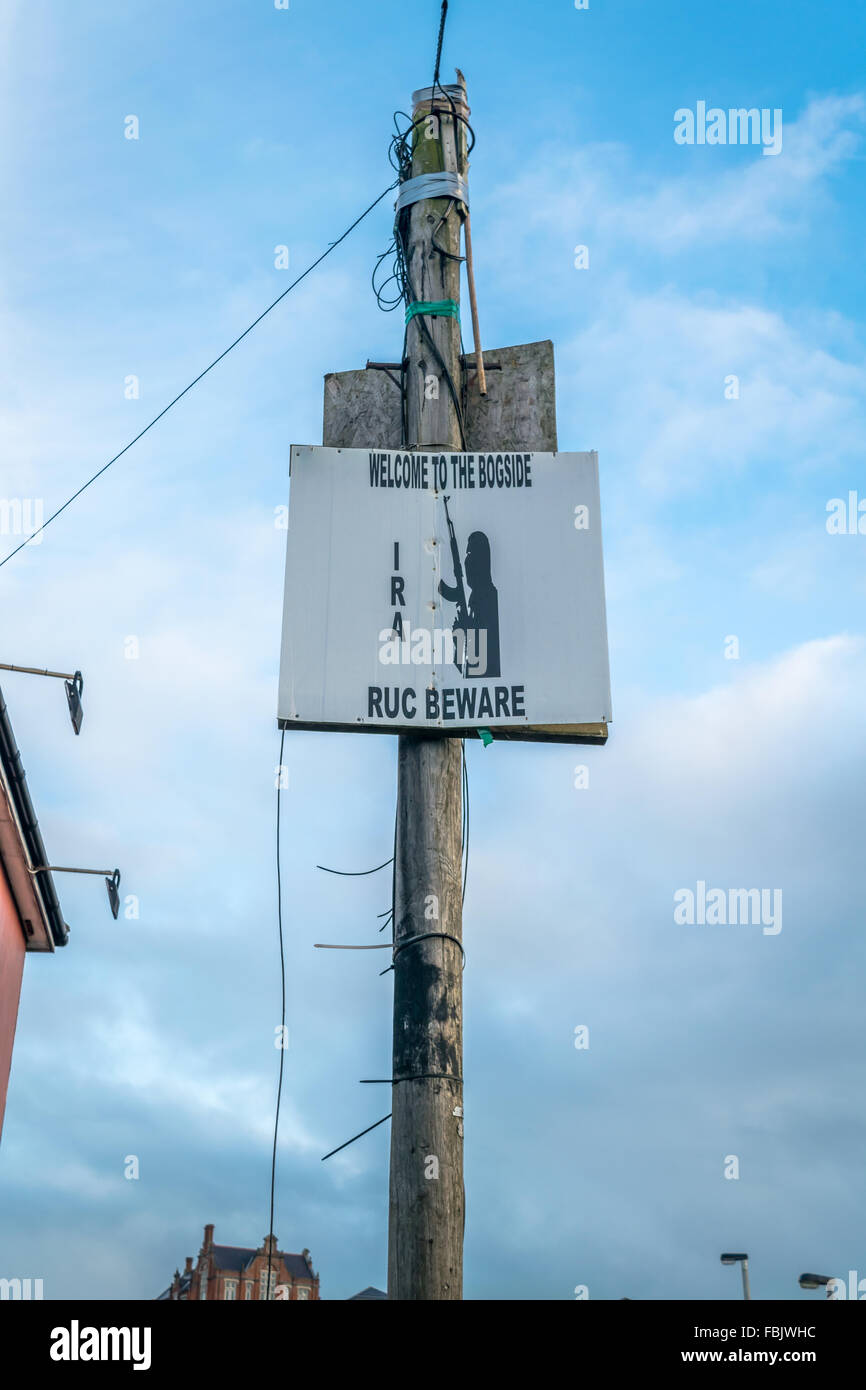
(258, 128)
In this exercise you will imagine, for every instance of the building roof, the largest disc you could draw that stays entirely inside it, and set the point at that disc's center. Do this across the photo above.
(183, 1288)
(367, 1295)
(238, 1257)
(232, 1256)
(22, 849)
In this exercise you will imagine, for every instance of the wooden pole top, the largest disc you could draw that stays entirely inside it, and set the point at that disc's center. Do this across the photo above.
(445, 93)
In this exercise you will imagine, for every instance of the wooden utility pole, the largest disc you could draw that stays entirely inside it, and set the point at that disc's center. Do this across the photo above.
(426, 1208)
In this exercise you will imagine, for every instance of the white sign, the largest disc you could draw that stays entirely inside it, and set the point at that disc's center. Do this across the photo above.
(454, 592)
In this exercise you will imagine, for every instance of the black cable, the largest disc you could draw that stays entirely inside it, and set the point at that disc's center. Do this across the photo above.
(404, 399)
(427, 936)
(400, 155)
(419, 1076)
(282, 1023)
(400, 158)
(465, 821)
(354, 873)
(447, 255)
(436, 83)
(443, 252)
(356, 1136)
(333, 245)
(421, 319)
(400, 148)
(391, 915)
(439, 44)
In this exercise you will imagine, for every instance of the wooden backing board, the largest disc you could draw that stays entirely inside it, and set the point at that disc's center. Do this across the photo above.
(362, 408)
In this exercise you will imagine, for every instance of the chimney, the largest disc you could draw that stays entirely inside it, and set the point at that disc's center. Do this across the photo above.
(208, 1237)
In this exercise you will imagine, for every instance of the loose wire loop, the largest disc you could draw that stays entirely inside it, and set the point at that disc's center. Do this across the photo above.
(398, 288)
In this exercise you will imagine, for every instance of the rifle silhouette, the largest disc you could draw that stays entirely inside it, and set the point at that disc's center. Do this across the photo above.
(462, 619)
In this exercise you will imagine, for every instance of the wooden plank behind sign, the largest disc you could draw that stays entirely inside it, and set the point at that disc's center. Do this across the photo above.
(362, 408)
(362, 411)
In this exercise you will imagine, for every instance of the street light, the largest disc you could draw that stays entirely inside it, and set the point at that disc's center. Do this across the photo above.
(112, 883)
(74, 688)
(74, 683)
(817, 1281)
(743, 1261)
(111, 876)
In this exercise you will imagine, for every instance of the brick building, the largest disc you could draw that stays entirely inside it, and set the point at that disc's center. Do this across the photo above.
(233, 1272)
(30, 915)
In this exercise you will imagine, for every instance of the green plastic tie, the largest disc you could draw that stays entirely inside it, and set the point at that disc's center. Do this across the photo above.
(437, 308)
(486, 736)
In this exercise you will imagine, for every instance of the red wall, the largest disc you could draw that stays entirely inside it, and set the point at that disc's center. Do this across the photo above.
(11, 969)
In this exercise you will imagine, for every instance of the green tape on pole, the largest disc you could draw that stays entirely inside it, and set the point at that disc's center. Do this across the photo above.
(486, 736)
(437, 308)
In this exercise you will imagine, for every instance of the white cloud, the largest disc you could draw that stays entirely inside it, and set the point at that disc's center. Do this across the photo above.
(663, 360)
(645, 375)
(596, 194)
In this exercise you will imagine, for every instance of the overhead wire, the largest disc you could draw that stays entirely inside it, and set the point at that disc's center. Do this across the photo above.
(404, 291)
(442, 20)
(353, 873)
(465, 846)
(331, 247)
(282, 1019)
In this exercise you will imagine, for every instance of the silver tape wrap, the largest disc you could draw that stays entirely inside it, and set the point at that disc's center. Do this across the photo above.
(443, 185)
(451, 92)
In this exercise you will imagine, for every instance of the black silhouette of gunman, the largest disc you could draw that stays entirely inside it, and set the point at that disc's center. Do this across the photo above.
(477, 649)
